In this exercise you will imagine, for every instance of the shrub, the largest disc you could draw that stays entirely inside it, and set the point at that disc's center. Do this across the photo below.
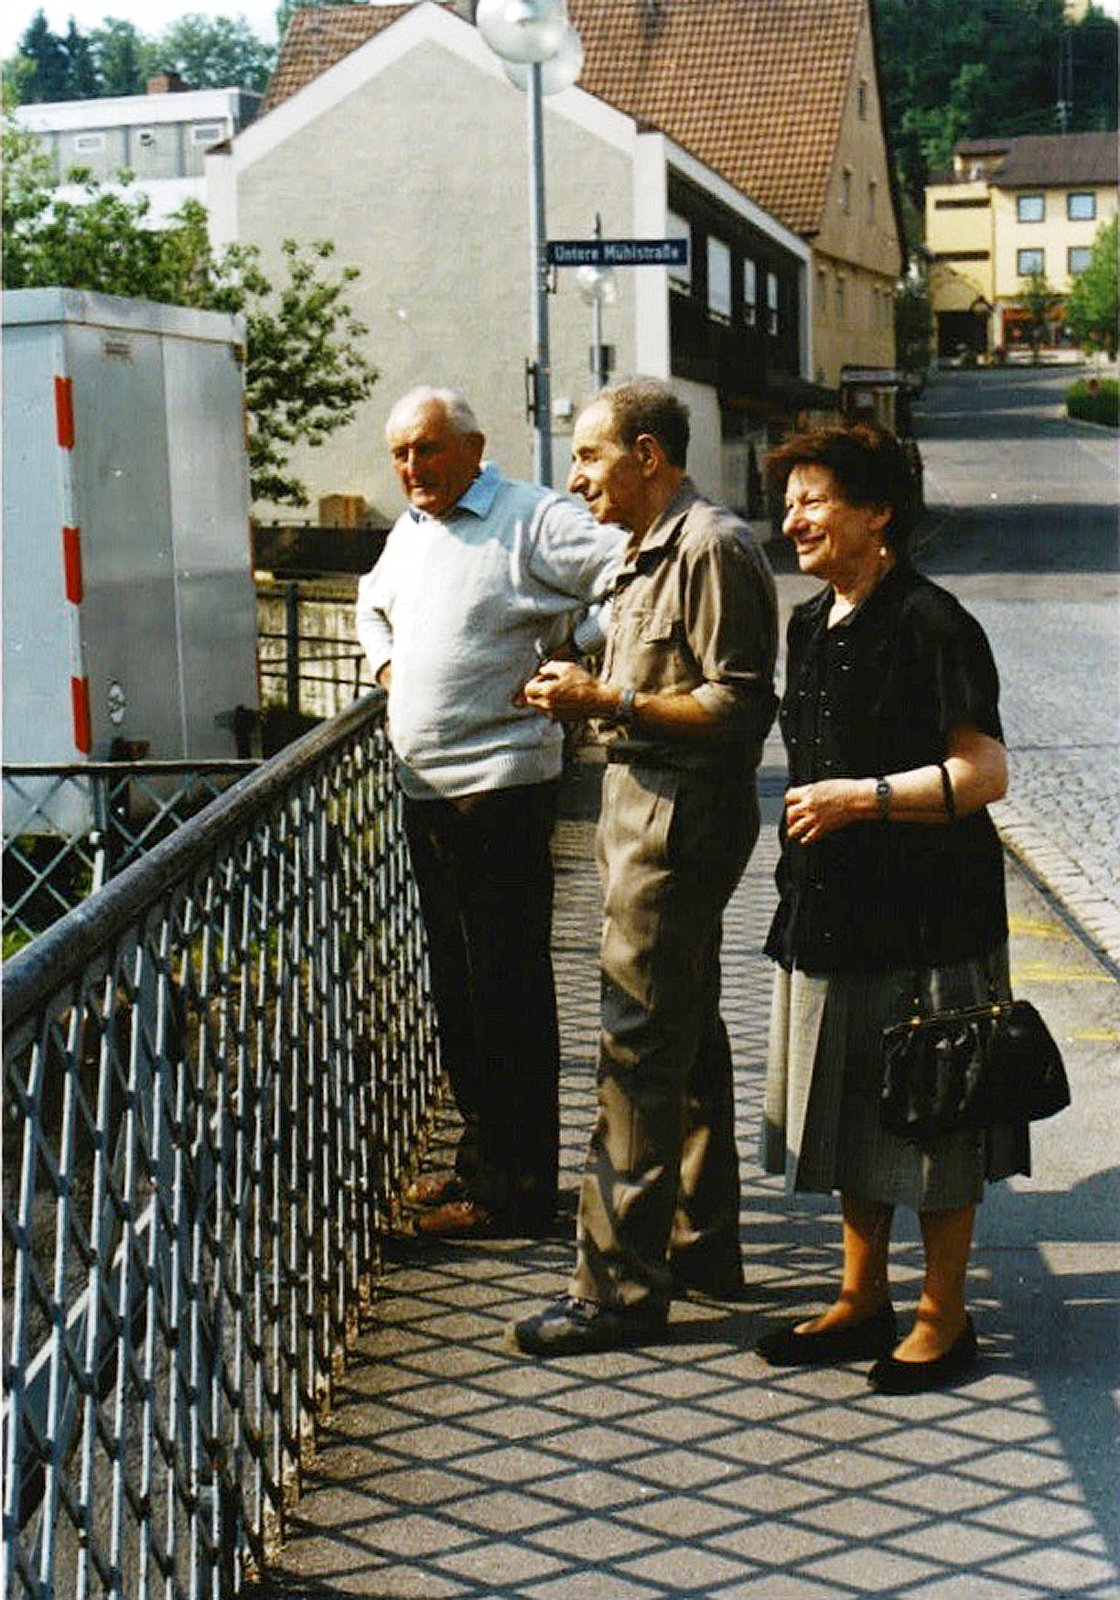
(1093, 400)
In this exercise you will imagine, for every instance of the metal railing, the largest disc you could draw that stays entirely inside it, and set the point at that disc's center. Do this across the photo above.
(68, 829)
(215, 1070)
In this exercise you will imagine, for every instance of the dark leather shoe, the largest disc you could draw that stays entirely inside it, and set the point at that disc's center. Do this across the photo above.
(710, 1283)
(855, 1341)
(433, 1189)
(455, 1219)
(572, 1327)
(891, 1376)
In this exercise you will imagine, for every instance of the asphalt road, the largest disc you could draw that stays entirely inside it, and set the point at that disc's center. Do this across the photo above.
(1022, 526)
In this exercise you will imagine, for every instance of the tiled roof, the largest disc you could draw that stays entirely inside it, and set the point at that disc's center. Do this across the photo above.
(1052, 158)
(318, 36)
(754, 88)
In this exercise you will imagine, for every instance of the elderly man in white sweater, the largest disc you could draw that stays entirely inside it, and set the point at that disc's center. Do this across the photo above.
(480, 578)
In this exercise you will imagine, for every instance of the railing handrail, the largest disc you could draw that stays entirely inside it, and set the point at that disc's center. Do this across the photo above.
(73, 943)
(125, 769)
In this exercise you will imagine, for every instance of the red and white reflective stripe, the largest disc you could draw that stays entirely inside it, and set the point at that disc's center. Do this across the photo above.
(64, 411)
(72, 564)
(72, 579)
(79, 697)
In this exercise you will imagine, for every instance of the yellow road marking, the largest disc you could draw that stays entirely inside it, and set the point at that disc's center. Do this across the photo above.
(1041, 974)
(1036, 929)
(1097, 1035)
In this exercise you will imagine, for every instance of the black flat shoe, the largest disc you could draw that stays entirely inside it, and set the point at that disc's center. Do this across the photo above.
(890, 1376)
(855, 1341)
(579, 1327)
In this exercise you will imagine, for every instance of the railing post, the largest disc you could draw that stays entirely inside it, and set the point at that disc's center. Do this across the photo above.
(291, 644)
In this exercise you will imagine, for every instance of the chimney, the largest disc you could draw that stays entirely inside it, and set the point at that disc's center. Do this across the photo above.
(167, 82)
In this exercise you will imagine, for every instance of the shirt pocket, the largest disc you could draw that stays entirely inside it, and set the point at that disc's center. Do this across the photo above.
(656, 655)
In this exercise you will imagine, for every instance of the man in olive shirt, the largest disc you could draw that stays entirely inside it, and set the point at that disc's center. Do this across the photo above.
(687, 686)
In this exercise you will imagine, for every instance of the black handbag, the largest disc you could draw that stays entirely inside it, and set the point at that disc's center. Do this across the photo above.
(970, 1067)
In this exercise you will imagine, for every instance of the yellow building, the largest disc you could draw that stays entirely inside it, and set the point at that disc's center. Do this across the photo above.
(1009, 209)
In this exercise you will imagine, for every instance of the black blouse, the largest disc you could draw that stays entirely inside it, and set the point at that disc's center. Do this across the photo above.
(880, 693)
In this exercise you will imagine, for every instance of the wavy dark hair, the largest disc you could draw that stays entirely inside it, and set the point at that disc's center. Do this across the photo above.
(869, 465)
(646, 405)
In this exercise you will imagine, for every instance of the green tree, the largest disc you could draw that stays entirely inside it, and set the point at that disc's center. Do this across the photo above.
(216, 52)
(125, 57)
(913, 324)
(1091, 309)
(305, 370)
(48, 75)
(82, 82)
(957, 69)
(1040, 301)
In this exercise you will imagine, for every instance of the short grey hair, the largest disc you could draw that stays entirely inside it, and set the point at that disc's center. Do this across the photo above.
(455, 405)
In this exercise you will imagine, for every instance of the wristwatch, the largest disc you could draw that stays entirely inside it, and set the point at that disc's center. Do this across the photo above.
(883, 796)
(624, 712)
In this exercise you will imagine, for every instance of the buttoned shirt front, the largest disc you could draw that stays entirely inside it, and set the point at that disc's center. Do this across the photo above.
(694, 612)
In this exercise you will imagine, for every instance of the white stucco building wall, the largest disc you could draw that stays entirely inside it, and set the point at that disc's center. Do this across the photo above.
(411, 153)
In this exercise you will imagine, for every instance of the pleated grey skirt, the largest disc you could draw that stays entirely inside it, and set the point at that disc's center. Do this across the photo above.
(821, 1125)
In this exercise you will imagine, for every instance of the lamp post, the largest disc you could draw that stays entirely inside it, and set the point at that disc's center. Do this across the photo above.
(597, 289)
(530, 37)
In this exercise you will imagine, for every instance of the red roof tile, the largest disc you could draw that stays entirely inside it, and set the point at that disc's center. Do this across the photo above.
(754, 88)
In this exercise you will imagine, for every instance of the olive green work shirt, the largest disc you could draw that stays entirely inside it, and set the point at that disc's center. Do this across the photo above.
(694, 611)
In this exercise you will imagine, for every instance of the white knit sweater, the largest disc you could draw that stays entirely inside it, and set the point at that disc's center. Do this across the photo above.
(464, 606)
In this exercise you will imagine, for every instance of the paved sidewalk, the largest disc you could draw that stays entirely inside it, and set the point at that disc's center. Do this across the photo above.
(454, 1467)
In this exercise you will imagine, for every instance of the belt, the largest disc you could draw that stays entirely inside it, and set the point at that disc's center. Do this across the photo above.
(657, 762)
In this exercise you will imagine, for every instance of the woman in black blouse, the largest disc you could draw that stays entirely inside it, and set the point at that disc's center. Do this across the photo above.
(891, 877)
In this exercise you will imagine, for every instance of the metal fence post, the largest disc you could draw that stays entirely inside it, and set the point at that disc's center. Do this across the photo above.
(291, 638)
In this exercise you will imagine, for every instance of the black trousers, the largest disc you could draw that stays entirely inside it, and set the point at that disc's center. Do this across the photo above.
(483, 867)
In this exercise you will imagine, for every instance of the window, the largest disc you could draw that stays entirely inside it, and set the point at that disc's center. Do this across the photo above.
(1077, 259)
(846, 189)
(1081, 207)
(839, 298)
(1031, 208)
(676, 227)
(145, 138)
(750, 293)
(772, 324)
(861, 100)
(871, 187)
(719, 278)
(207, 133)
(822, 293)
(1029, 262)
(960, 205)
(87, 143)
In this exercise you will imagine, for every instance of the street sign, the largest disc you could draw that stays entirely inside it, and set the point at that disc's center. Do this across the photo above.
(617, 252)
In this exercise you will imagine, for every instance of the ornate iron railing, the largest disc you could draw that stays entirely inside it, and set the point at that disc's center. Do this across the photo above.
(215, 1069)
